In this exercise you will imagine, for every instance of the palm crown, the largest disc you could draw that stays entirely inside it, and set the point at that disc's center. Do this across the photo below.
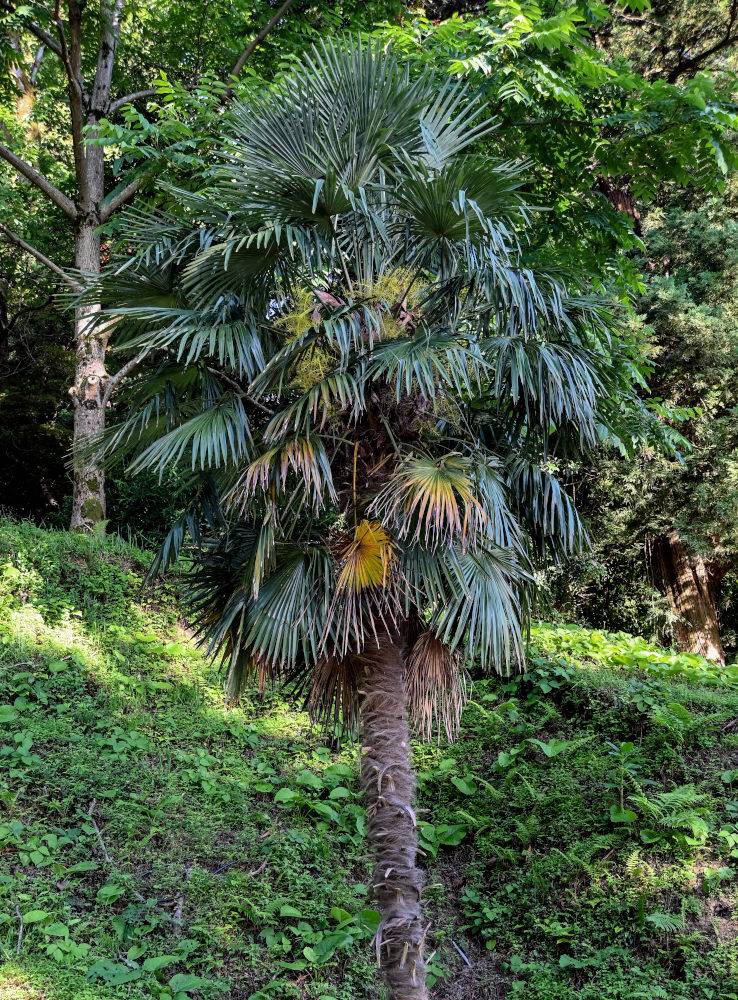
(358, 342)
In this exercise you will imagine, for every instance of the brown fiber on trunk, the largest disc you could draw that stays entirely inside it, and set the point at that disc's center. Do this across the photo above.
(388, 781)
(691, 584)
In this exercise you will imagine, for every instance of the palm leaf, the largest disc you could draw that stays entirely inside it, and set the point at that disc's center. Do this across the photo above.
(432, 501)
(215, 437)
(303, 455)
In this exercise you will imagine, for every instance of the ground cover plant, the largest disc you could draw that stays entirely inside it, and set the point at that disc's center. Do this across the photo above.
(582, 844)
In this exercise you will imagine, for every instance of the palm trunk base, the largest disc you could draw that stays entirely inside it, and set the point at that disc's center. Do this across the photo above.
(388, 781)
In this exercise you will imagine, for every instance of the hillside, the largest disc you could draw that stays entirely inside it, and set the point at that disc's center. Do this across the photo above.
(580, 838)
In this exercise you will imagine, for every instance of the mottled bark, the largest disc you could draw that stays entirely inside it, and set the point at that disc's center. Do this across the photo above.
(88, 391)
(388, 781)
(691, 584)
(88, 501)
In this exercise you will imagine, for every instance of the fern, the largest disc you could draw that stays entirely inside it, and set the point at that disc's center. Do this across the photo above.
(652, 993)
(668, 923)
(637, 868)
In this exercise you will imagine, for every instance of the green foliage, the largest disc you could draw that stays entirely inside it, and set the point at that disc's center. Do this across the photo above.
(605, 132)
(687, 308)
(106, 699)
(249, 819)
(629, 653)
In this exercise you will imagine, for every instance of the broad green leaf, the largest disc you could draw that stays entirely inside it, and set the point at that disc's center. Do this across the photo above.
(618, 815)
(183, 983)
(287, 795)
(465, 785)
(159, 962)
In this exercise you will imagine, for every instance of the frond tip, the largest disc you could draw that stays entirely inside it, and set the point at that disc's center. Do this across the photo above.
(437, 687)
(432, 501)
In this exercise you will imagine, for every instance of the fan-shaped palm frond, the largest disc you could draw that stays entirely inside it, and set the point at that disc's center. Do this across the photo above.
(433, 364)
(432, 501)
(305, 456)
(553, 521)
(366, 598)
(298, 592)
(365, 558)
(487, 620)
(551, 383)
(215, 437)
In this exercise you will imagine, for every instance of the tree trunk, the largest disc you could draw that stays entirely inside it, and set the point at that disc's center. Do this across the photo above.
(88, 502)
(388, 781)
(691, 584)
(88, 391)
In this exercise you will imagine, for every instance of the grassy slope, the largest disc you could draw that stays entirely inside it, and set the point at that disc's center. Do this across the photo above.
(548, 894)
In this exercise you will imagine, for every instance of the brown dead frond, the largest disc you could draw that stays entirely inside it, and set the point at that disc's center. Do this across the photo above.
(333, 697)
(437, 687)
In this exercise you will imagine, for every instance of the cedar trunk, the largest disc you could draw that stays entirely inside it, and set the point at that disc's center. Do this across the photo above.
(388, 781)
(691, 584)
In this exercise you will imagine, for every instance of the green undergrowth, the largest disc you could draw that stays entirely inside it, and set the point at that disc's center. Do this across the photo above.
(580, 838)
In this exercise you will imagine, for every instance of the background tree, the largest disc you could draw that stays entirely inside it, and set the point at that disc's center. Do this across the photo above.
(658, 520)
(675, 520)
(70, 66)
(673, 40)
(371, 360)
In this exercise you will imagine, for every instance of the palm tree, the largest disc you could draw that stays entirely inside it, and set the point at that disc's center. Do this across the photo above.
(363, 358)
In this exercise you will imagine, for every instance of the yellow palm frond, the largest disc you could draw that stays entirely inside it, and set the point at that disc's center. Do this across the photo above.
(366, 596)
(366, 558)
(437, 687)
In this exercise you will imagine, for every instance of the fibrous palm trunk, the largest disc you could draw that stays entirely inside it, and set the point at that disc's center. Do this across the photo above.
(388, 781)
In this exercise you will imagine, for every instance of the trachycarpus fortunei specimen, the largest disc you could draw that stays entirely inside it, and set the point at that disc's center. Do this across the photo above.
(374, 379)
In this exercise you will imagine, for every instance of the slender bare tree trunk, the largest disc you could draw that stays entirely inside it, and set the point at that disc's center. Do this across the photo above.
(691, 584)
(87, 108)
(88, 502)
(388, 781)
